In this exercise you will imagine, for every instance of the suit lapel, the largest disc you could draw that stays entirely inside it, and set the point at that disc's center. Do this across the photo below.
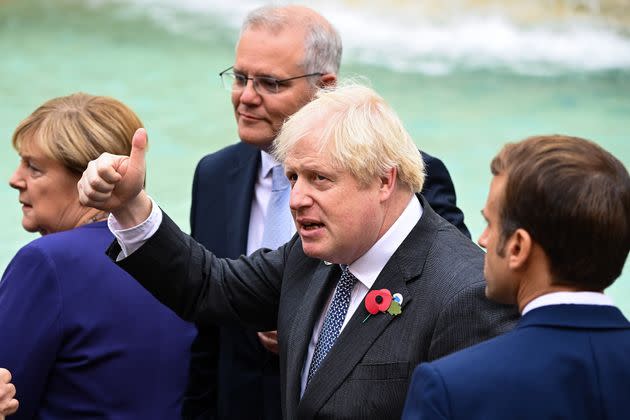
(238, 192)
(306, 315)
(358, 336)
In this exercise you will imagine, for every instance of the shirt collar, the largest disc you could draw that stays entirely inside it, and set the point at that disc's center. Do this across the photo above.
(367, 267)
(576, 298)
(267, 163)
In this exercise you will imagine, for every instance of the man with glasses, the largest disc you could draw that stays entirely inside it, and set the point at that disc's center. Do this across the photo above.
(283, 56)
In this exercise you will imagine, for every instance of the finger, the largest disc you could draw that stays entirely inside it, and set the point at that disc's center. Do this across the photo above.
(9, 408)
(98, 185)
(106, 168)
(8, 404)
(264, 340)
(13, 406)
(96, 198)
(5, 375)
(138, 150)
(89, 197)
(272, 335)
(269, 341)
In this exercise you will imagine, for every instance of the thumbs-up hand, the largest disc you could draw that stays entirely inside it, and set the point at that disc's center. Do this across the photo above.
(114, 183)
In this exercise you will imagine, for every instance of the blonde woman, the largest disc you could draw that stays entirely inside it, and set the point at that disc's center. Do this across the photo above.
(79, 336)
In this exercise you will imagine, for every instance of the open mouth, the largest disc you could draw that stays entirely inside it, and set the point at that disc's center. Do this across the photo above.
(311, 226)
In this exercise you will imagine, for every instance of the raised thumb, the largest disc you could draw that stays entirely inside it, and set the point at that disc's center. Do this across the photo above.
(138, 149)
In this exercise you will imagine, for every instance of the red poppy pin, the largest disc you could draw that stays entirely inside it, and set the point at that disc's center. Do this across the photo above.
(383, 301)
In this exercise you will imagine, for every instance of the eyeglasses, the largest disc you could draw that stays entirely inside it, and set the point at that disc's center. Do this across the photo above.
(235, 82)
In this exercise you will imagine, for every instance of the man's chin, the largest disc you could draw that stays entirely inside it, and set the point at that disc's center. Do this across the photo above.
(317, 253)
(262, 142)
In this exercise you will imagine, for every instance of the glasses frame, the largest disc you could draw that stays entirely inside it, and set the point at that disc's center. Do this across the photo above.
(254, 80)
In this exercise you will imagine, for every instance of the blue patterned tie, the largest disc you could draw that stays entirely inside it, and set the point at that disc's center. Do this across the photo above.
(278, 223)
(334, 319)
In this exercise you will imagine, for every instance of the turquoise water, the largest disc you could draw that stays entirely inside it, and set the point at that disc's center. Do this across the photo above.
(460, 98)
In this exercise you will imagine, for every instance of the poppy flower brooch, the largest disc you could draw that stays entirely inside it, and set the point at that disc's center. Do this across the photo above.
(383, 301)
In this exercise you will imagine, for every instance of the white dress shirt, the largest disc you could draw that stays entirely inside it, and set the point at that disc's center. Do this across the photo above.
(262, 194)
(366, 269)
(576, 298)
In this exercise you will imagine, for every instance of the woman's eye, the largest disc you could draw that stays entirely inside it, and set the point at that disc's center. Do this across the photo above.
(32, 167)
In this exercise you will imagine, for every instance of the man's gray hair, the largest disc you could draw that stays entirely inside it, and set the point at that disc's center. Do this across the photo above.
(322, 46)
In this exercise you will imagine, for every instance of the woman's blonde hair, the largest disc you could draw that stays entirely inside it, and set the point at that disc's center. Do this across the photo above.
(77, 128)
(360, 131)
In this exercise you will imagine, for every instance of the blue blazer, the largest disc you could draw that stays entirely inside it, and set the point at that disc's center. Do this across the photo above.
(560, 362)
(231, 374)
(83, 340)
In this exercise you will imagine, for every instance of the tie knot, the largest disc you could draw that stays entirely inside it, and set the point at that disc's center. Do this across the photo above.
(347, 279)
(279, 181)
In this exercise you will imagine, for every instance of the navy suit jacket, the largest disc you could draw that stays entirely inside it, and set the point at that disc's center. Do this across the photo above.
(231, 374)
(560, 362)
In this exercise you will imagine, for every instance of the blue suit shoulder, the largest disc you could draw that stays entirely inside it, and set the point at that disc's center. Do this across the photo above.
(440, 192)
(226, 158)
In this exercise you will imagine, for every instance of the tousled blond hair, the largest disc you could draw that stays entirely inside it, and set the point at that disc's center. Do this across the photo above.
(75, 129)
(360, 131)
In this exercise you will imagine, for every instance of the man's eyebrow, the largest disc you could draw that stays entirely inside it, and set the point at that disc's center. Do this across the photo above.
(483, 215)
(262, 74)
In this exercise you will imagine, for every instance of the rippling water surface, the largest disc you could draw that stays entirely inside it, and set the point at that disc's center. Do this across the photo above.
(464, 79)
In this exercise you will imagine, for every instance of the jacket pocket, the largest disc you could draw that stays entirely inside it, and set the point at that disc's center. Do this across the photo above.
(380, 371)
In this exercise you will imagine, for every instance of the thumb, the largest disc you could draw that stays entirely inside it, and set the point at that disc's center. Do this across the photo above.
(138, 148)
(136, 157)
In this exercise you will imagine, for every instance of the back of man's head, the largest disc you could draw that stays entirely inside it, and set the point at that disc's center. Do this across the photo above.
(573, 198)
(360, 131)
(322, 44)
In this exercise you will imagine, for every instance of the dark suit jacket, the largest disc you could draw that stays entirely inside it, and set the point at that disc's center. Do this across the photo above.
(561, 362)
(437, 270)
(232, 375)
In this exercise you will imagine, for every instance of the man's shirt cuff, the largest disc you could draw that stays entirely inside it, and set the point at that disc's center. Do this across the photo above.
(134, 237)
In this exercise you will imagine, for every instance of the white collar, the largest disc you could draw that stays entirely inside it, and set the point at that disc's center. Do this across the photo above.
(576, 298)
(367, 267)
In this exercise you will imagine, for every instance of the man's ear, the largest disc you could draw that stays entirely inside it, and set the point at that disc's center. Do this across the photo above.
(519, 249)
(328, 80)
(388, 183)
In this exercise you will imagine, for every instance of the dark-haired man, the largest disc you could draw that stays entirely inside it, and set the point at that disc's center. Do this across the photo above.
(558, 234)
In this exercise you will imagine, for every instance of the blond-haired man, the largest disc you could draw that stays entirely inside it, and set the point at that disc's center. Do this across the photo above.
(366, 239)
(283, 55)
